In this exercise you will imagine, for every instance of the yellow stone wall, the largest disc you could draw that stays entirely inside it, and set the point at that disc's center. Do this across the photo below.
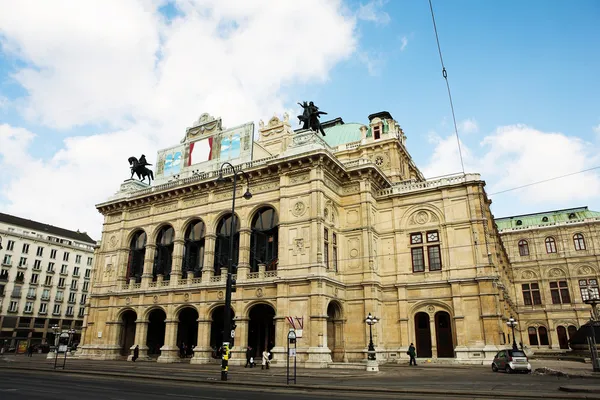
(312, 190)
(541, 267)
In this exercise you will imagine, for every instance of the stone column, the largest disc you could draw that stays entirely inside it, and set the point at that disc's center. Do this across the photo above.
(169, 353)
(121, 267)
(244, 255)
(141, 335)
(433, 336)
(177, 264)
(203, 351)
(148, 265)
(209, 257)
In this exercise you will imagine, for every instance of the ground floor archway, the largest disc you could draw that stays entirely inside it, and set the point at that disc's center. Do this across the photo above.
(217, 326)
(156, 332)
(128, 319)
(443, 335)
(261, 328)
(563, 341)
(423, 335)
(335, 341)
(187, 331)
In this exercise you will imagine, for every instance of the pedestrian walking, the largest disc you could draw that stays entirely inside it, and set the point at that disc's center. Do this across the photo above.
(136, 353)
(413, 354)
(249, 357)
(265, 359)
(182, 350)
(30, 351)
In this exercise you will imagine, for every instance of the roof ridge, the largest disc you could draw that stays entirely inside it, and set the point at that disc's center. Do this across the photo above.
(46, 228)
(583, 208)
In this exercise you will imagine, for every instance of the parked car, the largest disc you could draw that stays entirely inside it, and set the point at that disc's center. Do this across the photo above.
(510, 360)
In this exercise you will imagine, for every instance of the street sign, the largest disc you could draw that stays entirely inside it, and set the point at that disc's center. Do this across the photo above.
(62, 348)
(292, 352)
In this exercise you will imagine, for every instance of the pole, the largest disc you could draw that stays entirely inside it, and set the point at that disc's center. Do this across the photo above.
(371, 346)
(55, 348)
(288, 361)
(227, 313)
(514, 339)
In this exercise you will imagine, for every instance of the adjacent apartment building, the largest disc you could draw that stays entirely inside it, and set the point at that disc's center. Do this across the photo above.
(555, 261)
(44, 280)
(337, 227)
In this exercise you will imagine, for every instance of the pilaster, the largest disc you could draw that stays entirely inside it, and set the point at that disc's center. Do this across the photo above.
(169, 353)
(148, 265)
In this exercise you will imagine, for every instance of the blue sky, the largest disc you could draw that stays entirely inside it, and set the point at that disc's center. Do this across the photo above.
(77, 99)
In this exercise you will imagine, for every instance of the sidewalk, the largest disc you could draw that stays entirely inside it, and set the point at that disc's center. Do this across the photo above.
(426, 379)
(572, 369)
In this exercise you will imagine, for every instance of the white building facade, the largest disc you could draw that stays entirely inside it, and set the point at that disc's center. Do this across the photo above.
(45, 277)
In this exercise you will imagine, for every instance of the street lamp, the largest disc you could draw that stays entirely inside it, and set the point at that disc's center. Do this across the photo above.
(70, 332)
(593, 300)
(512, 323)
(56, 329)
(227, 332)
(371, 320)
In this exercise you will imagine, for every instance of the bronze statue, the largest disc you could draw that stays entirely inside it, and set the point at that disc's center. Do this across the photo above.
(310, 117)
(139, 168)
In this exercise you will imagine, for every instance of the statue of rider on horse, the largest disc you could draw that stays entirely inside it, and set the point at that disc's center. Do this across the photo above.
(139, 168)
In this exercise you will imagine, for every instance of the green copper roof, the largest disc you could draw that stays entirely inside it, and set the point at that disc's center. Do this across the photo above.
(341, 134)
(546, 218)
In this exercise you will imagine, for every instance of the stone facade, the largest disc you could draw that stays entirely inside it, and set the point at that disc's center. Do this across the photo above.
(355, 229)
(554, 258)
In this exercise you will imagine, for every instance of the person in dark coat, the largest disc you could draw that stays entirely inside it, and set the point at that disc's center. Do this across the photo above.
(136, 353)
(30, 351)
(412, 352)
(249, 356)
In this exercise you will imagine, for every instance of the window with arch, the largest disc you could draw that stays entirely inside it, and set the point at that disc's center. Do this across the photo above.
(193, 250)
(264, 239)
(543, 334)
(571, 330)
(579, 241)
(533, 338)
(137, 253)
(223, 241)
(523, 248)
(550, 245)
(163, 259)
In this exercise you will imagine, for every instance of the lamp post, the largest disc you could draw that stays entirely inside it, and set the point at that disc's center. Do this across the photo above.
(70, 332)
(227, 332)
(56, 330)
(512, 323)
(371, 320)
(593, 300)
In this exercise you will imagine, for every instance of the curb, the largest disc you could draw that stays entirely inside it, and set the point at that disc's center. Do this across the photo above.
(579, 389)
(323, 388)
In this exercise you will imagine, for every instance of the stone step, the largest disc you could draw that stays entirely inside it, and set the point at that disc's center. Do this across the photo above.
(343, 365)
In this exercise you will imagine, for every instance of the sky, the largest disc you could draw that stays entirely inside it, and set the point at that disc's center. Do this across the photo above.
(86, 84)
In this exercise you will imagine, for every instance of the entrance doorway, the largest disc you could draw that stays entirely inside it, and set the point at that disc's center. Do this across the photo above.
(156, 332)
(335, 331)
(443, 335)
(563, 341)
(261, 328)
(216, 327)
(423, 335)
(128, 319)
(187, 330)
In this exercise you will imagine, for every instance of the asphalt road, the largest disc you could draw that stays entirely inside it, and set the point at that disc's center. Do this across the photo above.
(34, 385)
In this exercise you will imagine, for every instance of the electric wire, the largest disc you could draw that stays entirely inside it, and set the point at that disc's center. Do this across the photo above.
(445, 75)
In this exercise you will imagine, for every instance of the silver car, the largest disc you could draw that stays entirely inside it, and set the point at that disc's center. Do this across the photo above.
(511, 361)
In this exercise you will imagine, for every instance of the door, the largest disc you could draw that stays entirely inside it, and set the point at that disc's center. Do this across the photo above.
(563, 341)
(443, 335)
(423, 335)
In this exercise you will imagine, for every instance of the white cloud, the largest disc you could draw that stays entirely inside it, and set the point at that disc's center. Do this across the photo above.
(518, 155)
(596, 129)
(403, 43)
(469, 125)
(372, 12)
(373, 61)
(146, 79)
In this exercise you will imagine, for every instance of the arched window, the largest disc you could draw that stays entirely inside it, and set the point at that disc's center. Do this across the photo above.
(533, 338)
(543, 332)
(579, 241)
(571, 330)
(164, 253)
(550, 245)
(222, 244)
(193, 251)
(137, 252)
(523, 248)
(264, 239)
